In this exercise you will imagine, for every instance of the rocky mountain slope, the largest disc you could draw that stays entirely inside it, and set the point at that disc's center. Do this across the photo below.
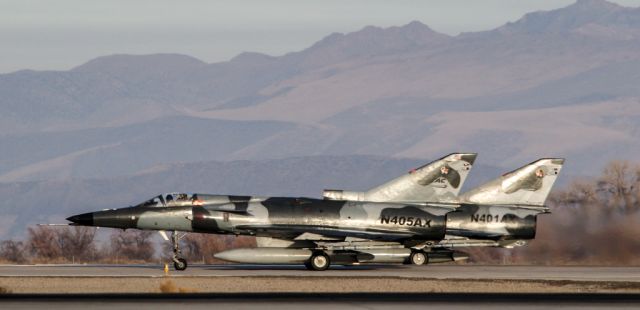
(557, 83)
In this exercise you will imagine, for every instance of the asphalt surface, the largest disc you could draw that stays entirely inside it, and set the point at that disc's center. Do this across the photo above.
(329, 300)
(569, 273)
(325, 301)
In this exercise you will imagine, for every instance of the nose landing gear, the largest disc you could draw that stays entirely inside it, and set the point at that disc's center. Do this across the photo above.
(179, 263)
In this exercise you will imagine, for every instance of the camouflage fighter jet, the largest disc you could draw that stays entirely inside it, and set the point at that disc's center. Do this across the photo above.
(405, 220)
(503, 212)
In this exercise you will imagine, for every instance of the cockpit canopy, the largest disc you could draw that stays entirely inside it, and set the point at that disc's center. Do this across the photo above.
(172, 200)
(192, 199)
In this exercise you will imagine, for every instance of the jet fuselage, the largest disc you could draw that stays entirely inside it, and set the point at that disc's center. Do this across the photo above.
(287, 218)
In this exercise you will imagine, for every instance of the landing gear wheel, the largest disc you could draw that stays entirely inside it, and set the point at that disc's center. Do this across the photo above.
(180, 264)
(319, 262)
(418, 258)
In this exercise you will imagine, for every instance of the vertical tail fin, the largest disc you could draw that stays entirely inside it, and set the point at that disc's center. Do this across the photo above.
(438, 181)
(528, 185)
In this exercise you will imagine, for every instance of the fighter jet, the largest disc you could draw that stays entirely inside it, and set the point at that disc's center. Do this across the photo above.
(415, 218)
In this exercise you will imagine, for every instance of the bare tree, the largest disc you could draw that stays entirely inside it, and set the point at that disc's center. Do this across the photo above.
(132, 245)
(636, 188)
(57, 243)
(580, 191)
(12, 251)
(199, 247)
(617, 187)
(78, 243)
(43, 243)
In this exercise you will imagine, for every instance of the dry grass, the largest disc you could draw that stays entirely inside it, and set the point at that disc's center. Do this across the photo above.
(301, 284)
(168, 286)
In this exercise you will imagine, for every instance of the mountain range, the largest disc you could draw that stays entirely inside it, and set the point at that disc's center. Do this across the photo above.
(554, 83)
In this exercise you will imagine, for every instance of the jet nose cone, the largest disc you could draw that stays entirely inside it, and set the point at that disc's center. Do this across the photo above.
(85, 219)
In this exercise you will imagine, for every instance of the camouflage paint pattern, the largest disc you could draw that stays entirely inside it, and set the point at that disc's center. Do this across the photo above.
(438, 181)
(507, 207)
(286, 218)
(502, 213)
(492, 222)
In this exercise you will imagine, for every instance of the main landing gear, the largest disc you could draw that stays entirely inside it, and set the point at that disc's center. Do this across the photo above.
(319, 261)
(418, 258)
(179, 263)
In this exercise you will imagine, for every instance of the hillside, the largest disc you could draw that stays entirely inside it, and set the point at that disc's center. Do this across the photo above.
(31, 203)
(561, 83)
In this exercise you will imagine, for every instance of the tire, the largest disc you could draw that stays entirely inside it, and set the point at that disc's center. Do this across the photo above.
(418, 258)
(319, 262)
(180, 264)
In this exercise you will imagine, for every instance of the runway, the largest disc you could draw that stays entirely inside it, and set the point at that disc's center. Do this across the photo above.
(235, 278)
(460, 272)
(236, 286)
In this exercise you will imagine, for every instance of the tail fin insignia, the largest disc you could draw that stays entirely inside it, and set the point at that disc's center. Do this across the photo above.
(438, 181)
(528, 185)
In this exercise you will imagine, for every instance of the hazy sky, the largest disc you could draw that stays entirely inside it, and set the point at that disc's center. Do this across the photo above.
(61, 34)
